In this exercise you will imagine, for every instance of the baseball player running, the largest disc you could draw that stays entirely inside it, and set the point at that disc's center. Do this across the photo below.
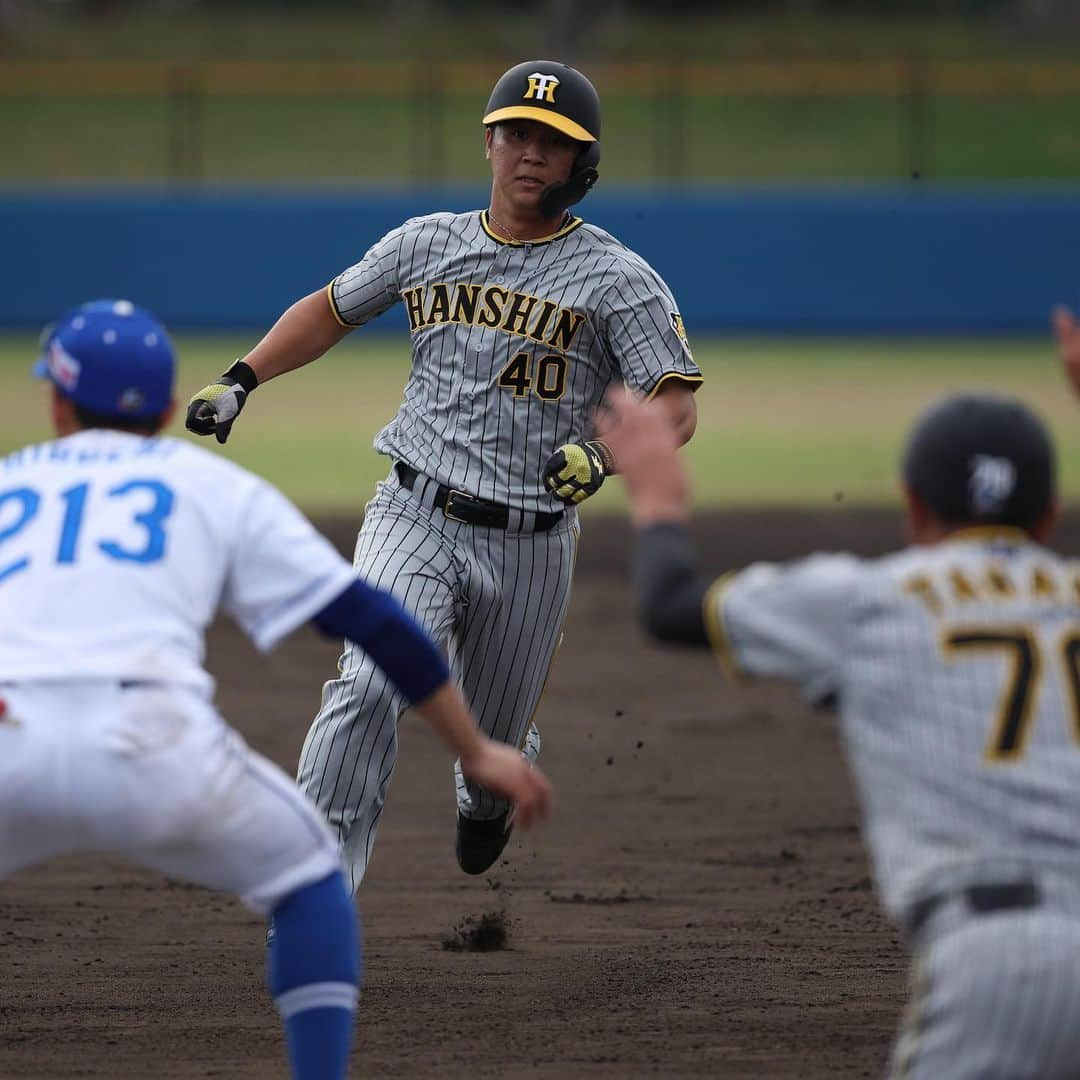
(956, 667)
(521, 316)
(116, 548)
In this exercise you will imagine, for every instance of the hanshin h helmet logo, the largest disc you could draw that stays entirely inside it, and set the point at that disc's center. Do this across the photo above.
(990, 484)
(541, 87)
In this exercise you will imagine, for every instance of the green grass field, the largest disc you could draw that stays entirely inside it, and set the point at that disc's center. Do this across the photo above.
(788, 421)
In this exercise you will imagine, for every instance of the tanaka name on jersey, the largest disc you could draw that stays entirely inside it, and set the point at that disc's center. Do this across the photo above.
(495, 307)
(953, 587)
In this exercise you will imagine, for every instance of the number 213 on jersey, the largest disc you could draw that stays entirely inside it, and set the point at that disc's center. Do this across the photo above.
(21, 505)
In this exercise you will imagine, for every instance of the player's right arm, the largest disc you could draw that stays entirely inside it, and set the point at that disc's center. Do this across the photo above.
(302, 334)
(308, 329)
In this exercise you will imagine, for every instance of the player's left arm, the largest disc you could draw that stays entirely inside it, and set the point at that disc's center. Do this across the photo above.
(643, 333)
(677, 401)
(576, 471)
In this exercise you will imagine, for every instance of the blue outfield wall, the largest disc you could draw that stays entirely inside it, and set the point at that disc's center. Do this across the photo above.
(839, 260)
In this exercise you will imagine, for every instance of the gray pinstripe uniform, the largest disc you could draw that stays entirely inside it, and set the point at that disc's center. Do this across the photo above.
(957, 671)
(513, 347)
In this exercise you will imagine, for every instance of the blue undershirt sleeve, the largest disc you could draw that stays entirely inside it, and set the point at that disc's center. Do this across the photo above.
(376, 622)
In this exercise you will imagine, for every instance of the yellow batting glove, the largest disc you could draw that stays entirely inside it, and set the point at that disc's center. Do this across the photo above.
(576, 471)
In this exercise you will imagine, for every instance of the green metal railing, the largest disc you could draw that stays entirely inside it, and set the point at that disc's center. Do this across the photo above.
(287, 124)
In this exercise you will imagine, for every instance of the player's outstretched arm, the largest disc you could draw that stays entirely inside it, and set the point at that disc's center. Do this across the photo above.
(670, 592)
(302, 334)
(1067, 332)
(410, 659)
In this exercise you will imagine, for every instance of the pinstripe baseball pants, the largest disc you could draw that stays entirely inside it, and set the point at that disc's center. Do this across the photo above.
(996, 996)
(494, 598)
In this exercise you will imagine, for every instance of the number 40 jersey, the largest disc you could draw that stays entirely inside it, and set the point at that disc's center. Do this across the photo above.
(116, 551)
(956, 669)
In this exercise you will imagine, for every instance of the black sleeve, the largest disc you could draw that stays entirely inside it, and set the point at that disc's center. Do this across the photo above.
(668, 587)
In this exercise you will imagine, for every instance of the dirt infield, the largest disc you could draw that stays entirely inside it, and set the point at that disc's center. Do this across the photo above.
(699, 906)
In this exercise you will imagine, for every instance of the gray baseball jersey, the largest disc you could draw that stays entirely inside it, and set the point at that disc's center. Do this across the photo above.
(513, 346)
(956, 668)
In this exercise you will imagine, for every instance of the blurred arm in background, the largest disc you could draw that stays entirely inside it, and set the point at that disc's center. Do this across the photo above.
(669, 588)
(1068, 337)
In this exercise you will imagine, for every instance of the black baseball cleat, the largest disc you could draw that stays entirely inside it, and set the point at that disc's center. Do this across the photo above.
(480, 843)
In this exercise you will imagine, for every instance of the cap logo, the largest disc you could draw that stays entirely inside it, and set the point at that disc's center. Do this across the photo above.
(992, 481)
(541, 88)
(131, 400)
(63, 367)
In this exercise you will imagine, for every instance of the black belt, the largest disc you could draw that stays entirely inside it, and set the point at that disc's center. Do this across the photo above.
(458, 506)
(981, 899)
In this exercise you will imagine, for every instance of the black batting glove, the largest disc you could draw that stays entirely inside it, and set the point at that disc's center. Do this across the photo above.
(214, 408)
(576, 471)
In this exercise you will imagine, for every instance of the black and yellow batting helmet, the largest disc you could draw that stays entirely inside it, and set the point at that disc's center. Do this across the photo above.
(561, 97)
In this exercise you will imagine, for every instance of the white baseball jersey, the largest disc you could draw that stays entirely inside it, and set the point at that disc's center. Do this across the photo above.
(514, 344)
(116, 551)
(957, 672)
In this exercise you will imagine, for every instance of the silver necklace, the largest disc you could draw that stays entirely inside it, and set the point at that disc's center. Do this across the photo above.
(503, 229)
(517, 239)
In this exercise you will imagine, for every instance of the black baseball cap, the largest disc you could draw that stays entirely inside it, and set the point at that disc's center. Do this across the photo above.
(979, 458)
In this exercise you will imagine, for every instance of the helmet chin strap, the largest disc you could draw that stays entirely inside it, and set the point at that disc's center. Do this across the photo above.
(557, 197)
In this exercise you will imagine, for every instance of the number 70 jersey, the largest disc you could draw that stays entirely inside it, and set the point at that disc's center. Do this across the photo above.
(956, 669)
(116, 551)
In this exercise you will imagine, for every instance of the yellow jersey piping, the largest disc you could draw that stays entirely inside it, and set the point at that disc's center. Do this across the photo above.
(713, 617)
(333, 306)
(693, 380)
(569, 227)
